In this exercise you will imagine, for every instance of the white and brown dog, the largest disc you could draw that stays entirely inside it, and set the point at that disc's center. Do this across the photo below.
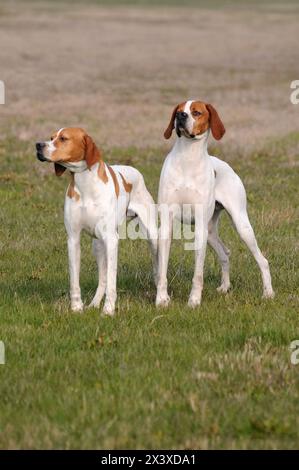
(97, 200)
(191, 176)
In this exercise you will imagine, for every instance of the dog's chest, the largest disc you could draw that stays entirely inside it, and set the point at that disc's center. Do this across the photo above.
(96, 207)
(187, 193)
(104, 212)
(187, 187)
(91, 213)
(187, 178)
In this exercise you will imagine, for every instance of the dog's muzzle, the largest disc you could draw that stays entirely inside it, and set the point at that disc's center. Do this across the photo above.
(39, 151)
(181, 118)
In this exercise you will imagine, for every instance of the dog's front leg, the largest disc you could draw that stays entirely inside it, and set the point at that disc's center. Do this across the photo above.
(165, 236)
(74, 252)
(201, 237)
(111, 245)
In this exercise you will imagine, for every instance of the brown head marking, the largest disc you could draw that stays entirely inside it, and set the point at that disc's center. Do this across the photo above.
(205, 116)
(92, 153)
(216, 125)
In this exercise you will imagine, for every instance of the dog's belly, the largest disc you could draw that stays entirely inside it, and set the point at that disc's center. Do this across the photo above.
(185, 216)
(187, 213)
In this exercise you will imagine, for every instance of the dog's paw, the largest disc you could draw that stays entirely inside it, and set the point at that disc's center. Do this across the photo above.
(162, 301)
(194, 301)
(223, 288)
(268, 294)
(108, 310)
(77, 306)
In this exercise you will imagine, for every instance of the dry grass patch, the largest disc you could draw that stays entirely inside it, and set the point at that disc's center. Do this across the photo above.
(118, 71)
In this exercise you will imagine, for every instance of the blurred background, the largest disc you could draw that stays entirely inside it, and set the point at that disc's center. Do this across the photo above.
(119, 67)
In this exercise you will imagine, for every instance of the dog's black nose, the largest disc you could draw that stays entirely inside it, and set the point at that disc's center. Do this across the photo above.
(39, 146)
(39, 151)
(182, 116)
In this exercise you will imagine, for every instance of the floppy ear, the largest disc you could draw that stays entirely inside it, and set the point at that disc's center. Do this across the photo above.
(217, 127)
(168, 131)
(92, 153)
(59, 169)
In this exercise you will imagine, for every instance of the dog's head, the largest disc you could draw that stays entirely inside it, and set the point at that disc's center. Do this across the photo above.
(70, 147)
(193, 118)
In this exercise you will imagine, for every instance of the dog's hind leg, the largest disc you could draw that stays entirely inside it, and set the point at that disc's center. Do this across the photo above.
(220, 249)
(99, 252)
(245, 230)
(230, 192)
(142, 204)
(235, 203)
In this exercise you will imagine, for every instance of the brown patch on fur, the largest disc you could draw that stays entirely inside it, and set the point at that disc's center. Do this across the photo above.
(92, 153)
(208, 117)
(73, 144)
(116, 185)
(69, 144)
(201, 124)
(128, 186)
(59, 169)
(102, 172)
(217, 127)
(169, 129)
(71, 192)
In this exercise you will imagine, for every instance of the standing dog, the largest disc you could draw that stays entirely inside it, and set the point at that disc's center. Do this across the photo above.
(97, 201)
(191, 176)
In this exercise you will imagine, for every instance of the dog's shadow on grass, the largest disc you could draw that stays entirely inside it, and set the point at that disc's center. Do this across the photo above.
(55, 290)
(34, 291)
(132, 283)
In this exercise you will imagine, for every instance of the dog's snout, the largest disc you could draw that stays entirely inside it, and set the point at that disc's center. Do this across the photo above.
(40, 146)
(39, 151)
(182, 116)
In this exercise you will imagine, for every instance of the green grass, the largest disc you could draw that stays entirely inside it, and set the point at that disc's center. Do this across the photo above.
(216, 377)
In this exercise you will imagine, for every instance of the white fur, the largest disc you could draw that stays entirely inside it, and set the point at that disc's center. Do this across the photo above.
(50, 149)
(187, 177)
(99, 212)
(191, 119)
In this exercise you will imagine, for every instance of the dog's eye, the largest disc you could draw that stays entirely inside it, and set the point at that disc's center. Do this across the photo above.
(51, 138)
(63, 139)
(197, 113)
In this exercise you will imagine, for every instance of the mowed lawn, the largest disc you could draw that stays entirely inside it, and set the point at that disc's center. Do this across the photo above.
(219, 376)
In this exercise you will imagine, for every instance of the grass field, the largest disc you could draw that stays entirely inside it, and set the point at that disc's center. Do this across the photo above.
(216, 377)
(219, 376)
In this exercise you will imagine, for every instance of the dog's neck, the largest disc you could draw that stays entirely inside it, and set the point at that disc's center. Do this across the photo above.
(86, 180)
(196, 148)
(75, 167)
